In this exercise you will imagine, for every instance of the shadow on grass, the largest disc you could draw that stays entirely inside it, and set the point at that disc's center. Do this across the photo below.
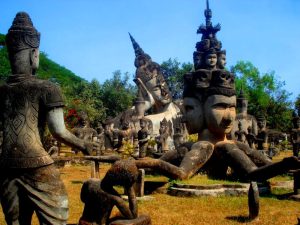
(241, 219)
(77, 182)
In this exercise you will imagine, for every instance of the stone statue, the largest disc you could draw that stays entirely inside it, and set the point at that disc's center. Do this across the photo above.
(164, 140)
(210, 110)
(99, 197)
(84, 130)
(29, 181)
(248, 122)
(108, 134)
(143, 137)
(240, 134)
(154, 90)
(125, 136)
(262, 136)
(295, 135)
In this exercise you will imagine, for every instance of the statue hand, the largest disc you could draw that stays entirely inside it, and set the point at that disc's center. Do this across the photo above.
(146, 93)
(89, 147)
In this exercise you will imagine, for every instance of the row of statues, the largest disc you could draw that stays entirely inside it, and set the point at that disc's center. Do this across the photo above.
(29, 181)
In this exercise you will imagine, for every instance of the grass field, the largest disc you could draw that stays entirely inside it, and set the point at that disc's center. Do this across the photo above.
(170, 210)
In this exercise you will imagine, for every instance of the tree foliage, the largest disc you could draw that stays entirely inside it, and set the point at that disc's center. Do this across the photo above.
(173, 72)
(266, 95)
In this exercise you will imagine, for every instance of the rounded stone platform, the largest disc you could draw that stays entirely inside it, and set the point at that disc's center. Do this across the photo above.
(209, 190)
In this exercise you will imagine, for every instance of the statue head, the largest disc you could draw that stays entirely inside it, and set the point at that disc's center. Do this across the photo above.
(210, 59)
(261, 122)
(215, 95)
(84, 119)
(23, 42)
(149, 73)
(222, 59)
(143, 123)
(163, 126)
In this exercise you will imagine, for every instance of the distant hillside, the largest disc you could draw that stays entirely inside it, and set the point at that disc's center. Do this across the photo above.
(48, 69)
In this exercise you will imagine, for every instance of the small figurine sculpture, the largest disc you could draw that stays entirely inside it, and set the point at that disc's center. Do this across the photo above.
(295, 135)
(108, 134)
(84, 131)
(100, 139)
(262, 136)
(54, 149)
(29, 181)
(143, 137)
(164, 140)
(126, 136)
(100, 197)
(240, 134)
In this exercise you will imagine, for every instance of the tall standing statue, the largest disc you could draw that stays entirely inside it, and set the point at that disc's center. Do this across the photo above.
(295, 135)
(29, 181)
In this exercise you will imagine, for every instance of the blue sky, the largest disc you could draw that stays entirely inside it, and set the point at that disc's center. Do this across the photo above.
(90, 37)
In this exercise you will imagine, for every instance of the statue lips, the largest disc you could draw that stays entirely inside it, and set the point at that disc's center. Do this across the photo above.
(226, 124)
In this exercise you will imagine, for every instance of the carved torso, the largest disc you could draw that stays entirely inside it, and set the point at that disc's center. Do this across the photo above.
(24, 103)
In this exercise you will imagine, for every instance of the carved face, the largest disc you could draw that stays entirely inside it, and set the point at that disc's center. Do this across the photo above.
(261, 124)
(211, 60)
(222, 61)
(193, 115)
(143, 124)
(220, 113)
(159, 90)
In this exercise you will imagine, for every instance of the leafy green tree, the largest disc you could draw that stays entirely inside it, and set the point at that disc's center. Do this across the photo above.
(173, 72)
(266, 95)
(117, 94)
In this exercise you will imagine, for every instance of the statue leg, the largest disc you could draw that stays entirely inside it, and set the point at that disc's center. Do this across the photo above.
(268, 171)
(191, 163)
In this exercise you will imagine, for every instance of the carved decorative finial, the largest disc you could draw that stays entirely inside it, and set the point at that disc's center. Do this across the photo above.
(137, 49)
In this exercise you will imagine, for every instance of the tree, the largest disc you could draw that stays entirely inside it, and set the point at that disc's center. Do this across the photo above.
(297, 105)
(117, 94)
(265, 94)
(173, 72)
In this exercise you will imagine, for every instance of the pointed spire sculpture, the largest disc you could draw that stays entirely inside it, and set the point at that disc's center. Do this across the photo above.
(137, 49)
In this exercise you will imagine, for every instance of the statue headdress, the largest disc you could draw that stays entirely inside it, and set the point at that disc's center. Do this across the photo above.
(22, 34)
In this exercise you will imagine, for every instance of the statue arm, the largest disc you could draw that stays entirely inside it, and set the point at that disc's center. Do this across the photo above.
(56, 124)
(149, 100)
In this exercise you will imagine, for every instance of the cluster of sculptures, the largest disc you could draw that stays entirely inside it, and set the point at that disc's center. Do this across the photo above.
(31, 182)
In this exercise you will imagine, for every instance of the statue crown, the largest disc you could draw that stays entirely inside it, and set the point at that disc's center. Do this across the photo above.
(22, 34)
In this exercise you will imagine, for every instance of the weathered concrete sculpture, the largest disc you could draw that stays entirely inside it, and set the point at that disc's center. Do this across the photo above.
(247, 121)
(210, 110)
(164, 141)
(295, 135)
(108, 134)
(143, 137)
(126, 135)
(84, 130)
(262, 138)
(154, 90)
(100, 197)
(29, 181)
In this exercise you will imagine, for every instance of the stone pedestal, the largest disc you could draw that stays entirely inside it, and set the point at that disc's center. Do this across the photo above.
(140, 220)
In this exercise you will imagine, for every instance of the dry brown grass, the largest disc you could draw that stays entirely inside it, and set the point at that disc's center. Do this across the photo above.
(169, 210)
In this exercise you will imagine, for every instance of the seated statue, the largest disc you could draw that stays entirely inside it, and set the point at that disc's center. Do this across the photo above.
(99, 197)
(29, 180)
(262, 138)
(108, 134)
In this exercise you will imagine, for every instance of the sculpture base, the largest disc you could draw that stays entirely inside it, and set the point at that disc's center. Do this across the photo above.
(140, 220)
